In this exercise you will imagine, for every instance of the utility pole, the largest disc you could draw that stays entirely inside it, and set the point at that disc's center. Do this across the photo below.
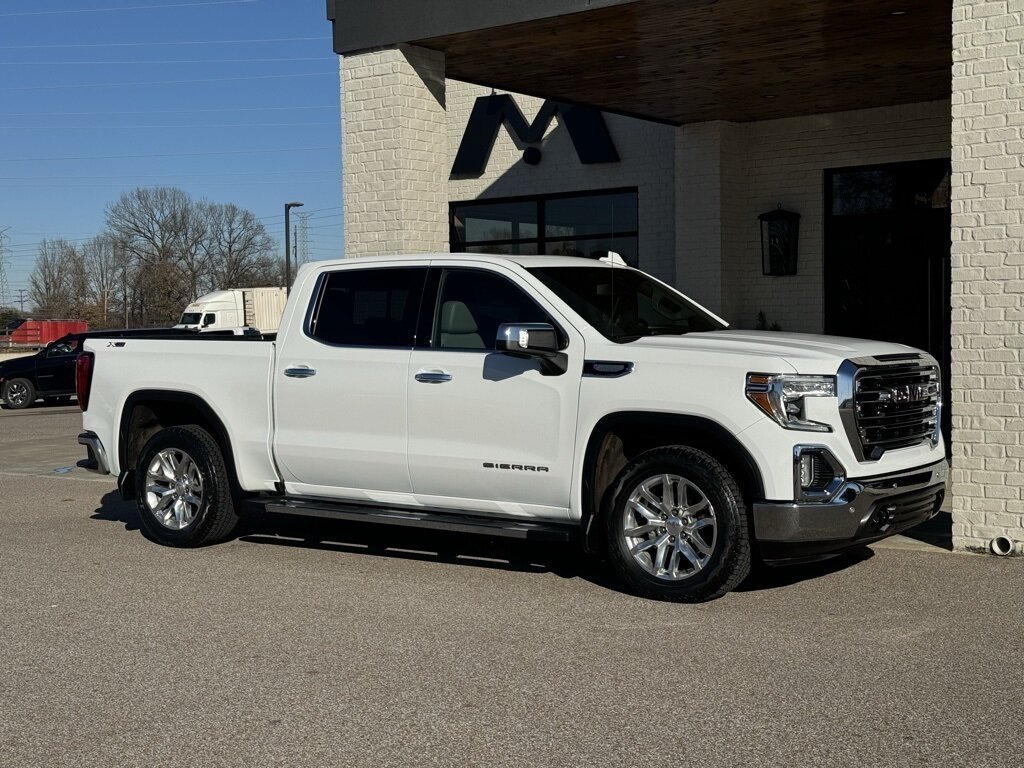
(3, 268)
(21, 299)
(287, 245)
(295, 247)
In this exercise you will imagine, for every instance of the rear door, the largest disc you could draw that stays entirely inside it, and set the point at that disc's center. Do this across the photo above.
(341, 384)
(489, 432)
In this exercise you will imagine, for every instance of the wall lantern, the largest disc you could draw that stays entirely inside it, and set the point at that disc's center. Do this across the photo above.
(779, 233)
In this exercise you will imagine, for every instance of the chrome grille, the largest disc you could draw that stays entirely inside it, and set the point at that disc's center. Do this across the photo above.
(895, 405)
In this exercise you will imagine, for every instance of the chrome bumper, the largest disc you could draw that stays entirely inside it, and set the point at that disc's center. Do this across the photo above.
(97, 458)
(863, 510)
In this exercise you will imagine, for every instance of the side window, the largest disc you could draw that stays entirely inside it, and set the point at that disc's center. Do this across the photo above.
(473, 303)
(369, 307)
(210, 319)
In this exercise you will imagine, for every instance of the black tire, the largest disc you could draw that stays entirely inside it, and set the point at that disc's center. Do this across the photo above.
(19, 393)
(729, 552)
(216, 517)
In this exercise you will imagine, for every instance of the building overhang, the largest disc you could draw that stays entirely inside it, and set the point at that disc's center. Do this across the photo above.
(677, 61)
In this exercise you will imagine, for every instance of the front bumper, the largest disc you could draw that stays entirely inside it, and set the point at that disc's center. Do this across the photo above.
(96, 461)
(864, 510)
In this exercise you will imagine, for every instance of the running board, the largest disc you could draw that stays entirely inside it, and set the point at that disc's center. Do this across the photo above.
(527, 530)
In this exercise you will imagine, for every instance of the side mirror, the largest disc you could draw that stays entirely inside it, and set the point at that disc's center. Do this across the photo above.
(537, 341)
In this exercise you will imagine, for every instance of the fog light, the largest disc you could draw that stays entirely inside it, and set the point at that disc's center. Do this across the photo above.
(818, 476)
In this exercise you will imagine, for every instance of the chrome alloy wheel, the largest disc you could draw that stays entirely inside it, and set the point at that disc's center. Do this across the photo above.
(17, 394)
(174, 489)
(669, 527)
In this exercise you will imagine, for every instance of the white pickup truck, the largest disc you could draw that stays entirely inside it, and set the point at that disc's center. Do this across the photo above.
(533, 397)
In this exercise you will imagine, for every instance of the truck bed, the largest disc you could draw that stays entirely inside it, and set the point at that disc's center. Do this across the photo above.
(235, 383)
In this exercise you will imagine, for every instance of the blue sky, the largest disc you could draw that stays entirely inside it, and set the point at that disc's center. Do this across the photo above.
(83, 86)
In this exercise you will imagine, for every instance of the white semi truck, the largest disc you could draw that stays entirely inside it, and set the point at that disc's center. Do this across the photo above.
(259, 308)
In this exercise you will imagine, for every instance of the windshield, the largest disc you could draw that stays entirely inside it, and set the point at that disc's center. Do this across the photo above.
(624, 304)
(191, 318)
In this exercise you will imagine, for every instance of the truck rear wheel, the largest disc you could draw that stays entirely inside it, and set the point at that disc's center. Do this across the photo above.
(677, 526)
(19, 393)
(183, 489)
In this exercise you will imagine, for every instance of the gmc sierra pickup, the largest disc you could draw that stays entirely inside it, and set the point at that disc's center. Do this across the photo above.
(525, 396)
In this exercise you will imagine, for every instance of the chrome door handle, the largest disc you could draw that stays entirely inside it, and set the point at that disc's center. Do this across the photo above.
(300, 372)
(433, 377)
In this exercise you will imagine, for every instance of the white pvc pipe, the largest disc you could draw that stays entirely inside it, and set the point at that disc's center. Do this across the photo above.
(1001, 545)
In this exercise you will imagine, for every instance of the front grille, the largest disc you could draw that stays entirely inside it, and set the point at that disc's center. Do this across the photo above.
(895, 406)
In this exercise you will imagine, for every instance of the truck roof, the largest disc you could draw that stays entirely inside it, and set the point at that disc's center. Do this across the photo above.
(483, 258)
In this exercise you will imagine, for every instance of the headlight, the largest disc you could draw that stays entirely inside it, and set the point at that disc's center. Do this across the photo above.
(781, 396)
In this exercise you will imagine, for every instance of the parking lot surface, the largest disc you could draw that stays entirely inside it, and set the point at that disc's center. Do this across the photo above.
(311, 644)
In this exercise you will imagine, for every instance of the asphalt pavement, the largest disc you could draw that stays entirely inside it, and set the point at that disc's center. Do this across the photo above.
(305, 644)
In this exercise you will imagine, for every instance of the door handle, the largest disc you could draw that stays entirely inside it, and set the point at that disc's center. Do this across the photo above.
(433, 377)
(299, 372)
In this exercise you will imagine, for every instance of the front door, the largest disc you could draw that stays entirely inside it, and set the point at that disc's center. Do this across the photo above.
(489, 432)
(55, 372)
(341, 387)
(887, 257)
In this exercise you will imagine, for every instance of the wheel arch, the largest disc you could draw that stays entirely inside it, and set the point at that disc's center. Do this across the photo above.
(619, 437)
(146, 412)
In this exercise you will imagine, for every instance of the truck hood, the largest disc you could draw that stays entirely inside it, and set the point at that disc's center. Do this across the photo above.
(805, 352)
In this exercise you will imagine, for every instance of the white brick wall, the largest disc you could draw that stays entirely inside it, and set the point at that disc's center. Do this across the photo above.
(783, 161)
(988, 271)
(395, 149)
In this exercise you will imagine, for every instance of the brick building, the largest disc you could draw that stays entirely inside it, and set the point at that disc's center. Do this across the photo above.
(894, 128)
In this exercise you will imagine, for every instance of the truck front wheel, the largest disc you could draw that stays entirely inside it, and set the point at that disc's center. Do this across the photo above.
(677, 526)
(183, 489)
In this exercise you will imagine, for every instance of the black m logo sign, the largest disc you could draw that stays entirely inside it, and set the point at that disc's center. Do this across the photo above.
(585, 126)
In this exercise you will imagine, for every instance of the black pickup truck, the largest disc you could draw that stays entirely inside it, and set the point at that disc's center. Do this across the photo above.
(49, 374)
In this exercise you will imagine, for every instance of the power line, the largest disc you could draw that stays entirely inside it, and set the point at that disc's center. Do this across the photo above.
(72, 86)
(167, 111)
(152, 44)
(161, 176)
(134, 63)
(169, 154)
(125, 8)
(133, 126)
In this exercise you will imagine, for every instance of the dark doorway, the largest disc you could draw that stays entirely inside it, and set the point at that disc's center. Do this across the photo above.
(887, 246)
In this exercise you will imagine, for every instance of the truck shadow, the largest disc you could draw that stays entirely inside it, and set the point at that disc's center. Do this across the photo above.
(475, 551)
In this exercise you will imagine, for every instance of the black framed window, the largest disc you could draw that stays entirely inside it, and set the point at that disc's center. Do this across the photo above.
(369, 307)
(472, 303)
(587, 224)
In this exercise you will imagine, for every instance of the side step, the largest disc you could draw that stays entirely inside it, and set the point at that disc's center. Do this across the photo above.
(526, 530)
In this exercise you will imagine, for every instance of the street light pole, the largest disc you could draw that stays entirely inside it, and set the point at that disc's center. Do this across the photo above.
(287, 245)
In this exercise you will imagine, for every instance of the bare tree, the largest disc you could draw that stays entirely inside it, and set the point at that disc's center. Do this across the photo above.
(239, 250)
(103, 262)
(51, 282)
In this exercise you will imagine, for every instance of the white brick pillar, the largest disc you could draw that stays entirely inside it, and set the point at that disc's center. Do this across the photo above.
(988, 272)
(698, 160)
(394, 147)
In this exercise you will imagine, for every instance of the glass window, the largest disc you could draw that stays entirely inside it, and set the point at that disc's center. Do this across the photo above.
(624, 304)
(590, 215)
(369, 307)
(210, 319)
(585, 224)
(476, 222)
(64, 348)
(191, 318)
(473, 303)
(858, 192)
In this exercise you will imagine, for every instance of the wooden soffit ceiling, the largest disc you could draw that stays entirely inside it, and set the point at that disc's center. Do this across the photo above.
(684, 61)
